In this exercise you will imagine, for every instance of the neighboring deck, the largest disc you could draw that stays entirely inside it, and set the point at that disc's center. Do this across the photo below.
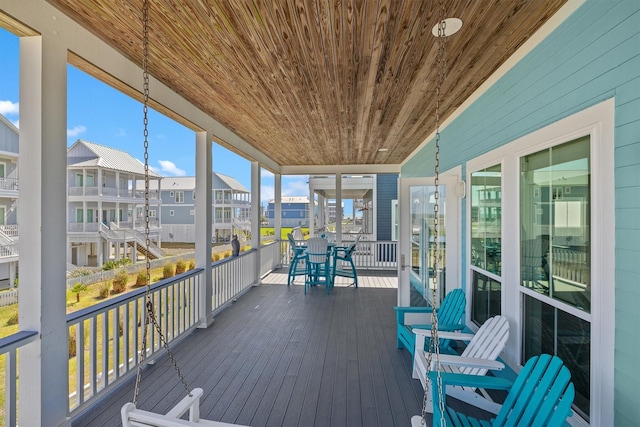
(279, 358)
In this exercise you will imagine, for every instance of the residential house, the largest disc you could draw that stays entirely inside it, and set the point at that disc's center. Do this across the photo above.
(231, 207)
(537, 95)
(9, 148)
(294, 211)
(105, 199)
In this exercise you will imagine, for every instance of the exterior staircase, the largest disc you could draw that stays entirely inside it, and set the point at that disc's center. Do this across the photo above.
(131, 236)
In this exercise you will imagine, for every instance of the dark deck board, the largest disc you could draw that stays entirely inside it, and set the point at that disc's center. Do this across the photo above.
(279, 358)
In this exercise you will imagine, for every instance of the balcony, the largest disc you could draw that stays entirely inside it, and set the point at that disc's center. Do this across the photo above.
(276, 357)
(272, 356)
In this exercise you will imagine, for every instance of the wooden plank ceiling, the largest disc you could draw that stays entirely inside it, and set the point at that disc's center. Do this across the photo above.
(325, 82)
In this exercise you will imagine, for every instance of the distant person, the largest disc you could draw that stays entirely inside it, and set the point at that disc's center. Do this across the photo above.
(235, 245)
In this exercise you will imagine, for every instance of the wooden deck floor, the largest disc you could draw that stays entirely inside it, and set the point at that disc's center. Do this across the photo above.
(279, 358)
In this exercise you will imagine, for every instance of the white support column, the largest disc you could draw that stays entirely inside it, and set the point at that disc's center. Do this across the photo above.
(277, 208)
(277, 205)
(42, 172)
(339, 208)
(84, 216)
(204, 183)
(312, 210)
(100, 183)
(255, 215)
(255, 205)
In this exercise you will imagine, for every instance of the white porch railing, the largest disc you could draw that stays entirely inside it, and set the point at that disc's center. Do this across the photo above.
(232, 276)
(9, 230)
(9, 348)
(107, 335)
(10, 184)
(269, 257)
(370, 255)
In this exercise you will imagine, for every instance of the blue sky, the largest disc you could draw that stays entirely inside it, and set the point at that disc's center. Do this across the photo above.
(101, 114)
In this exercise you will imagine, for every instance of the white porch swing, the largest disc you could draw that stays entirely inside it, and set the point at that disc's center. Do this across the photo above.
(131, 415)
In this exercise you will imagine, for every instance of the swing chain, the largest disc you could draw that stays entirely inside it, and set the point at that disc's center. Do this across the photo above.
(434, 345)
(150, 317)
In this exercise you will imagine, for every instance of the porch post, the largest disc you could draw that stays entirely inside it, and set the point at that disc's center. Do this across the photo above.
(312, 209)
(277, 209)
(204, 179)
(255, 215)
(42, 171)
(339, 208)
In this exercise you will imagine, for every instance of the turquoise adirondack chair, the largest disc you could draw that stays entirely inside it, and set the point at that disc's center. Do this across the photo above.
(297, 265)
(344, 255)
(541, 395)
(450, 318)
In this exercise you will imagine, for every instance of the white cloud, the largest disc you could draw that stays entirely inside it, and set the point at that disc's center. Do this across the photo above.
(170, 168)
(121, 133)
(77, 130)
(8, 107)
(298, 186)
(264, 173)
(266, 193)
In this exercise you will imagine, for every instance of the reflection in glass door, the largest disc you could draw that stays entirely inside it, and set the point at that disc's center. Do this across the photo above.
(417, 244)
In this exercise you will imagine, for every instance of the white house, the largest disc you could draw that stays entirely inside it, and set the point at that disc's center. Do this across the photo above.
(231, 203)
(104, 218)
(9, 148)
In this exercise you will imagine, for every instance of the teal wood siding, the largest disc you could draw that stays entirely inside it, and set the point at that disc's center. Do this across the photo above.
(387, 190)
(593, 56)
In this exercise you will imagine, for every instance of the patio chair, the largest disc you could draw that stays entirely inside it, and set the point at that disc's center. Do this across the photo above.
(297, 265)
(450, 318)
(478, 357)
(343, 255)
(318, 266)
(541, 395)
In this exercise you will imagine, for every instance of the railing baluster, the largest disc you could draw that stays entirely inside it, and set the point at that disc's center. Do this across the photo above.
(10, 385)
(93, 354)
(80, 362)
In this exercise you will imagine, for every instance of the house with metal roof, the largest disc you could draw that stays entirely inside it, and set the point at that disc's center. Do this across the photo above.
(104, 205)
(231, 203)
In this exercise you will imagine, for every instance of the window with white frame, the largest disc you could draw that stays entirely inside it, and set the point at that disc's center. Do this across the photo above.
(557, 188)
(171, 213)
(486, 242)
(179, 196)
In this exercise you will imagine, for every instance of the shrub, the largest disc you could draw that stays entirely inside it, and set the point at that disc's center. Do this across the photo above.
(192, 264)
(215, 256)
(72, 340)
(13, 319)
(103, 291)
(110, 265)
(120, 281)
(141, 278)
(167, 271)
(181, 266)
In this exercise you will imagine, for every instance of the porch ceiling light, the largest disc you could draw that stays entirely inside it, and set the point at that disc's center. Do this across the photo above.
(452, 26)
(382, 150)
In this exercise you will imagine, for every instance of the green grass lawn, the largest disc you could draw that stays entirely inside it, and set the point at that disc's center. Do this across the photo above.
(268, 231)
